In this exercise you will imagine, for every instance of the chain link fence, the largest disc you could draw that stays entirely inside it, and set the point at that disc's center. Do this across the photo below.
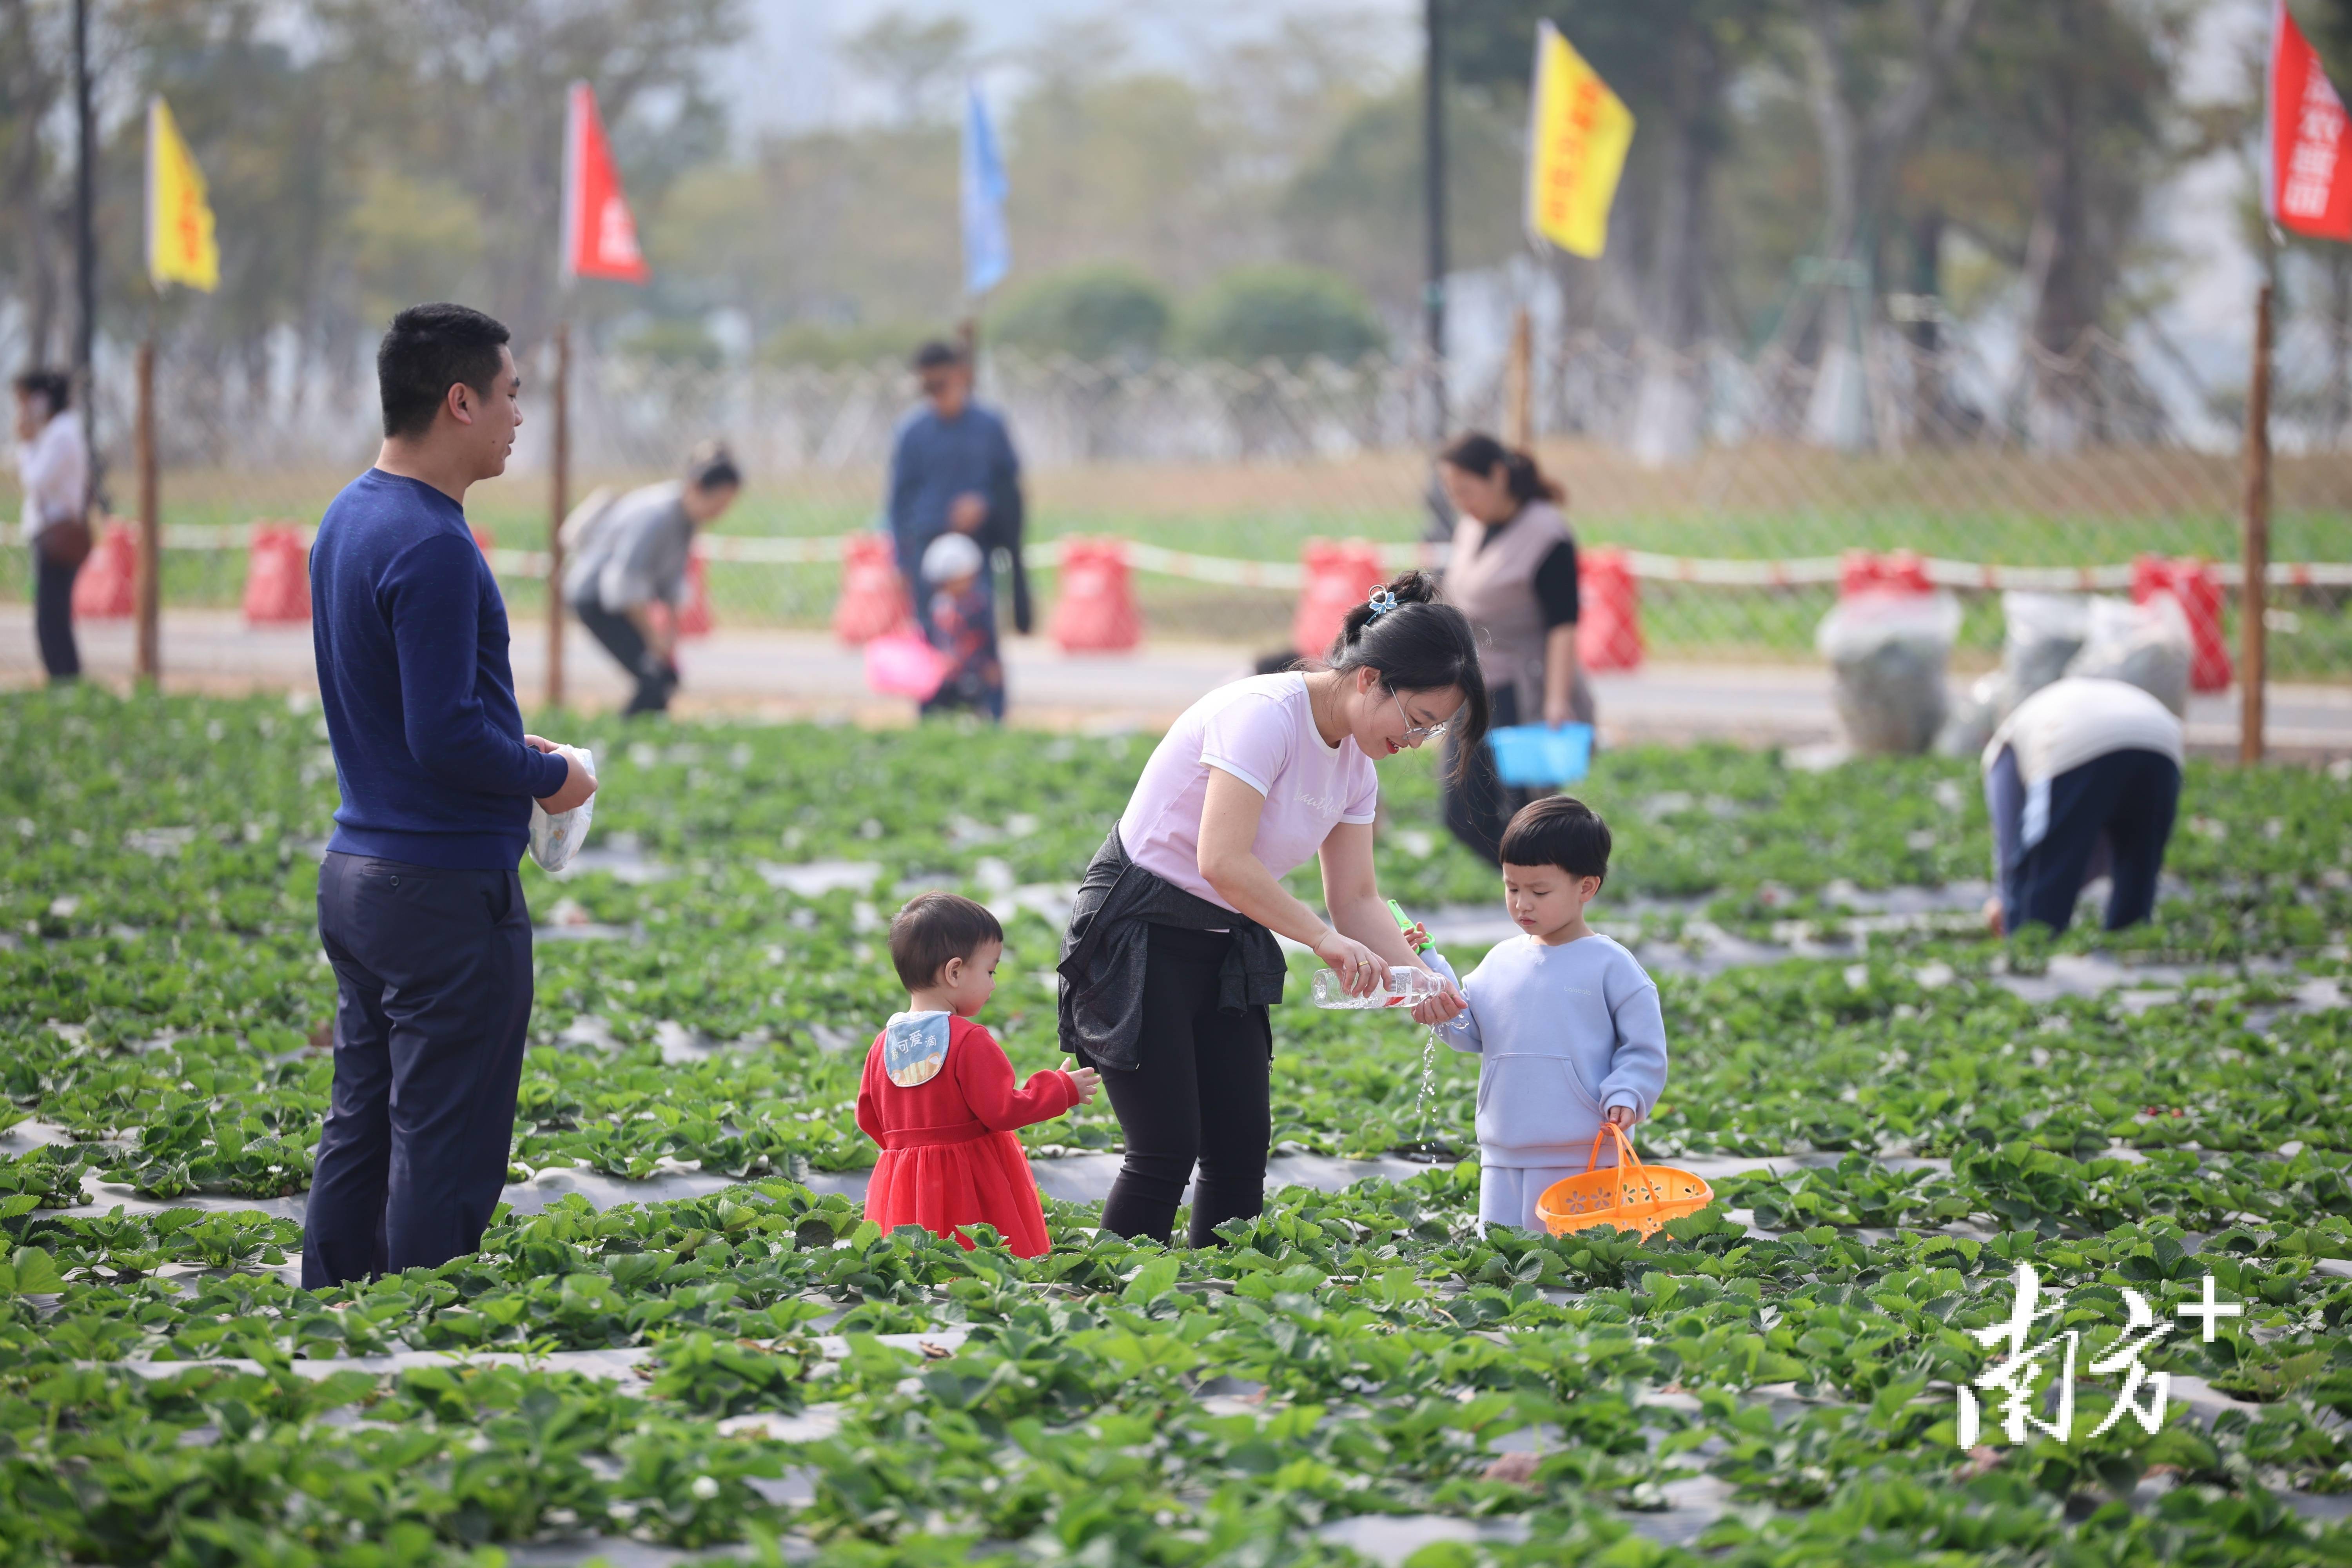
(1738, 480)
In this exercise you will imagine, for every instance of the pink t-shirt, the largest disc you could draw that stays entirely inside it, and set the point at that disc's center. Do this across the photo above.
(1261, 730)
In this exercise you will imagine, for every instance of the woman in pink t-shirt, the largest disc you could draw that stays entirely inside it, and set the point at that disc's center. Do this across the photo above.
(1170, 961)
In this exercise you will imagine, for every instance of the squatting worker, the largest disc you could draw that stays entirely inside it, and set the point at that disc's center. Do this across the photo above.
(2082, 781)
(1513, 572)
(632, 554)
(53, 465)
(419, 906)
(1170, 961)
(953, 469)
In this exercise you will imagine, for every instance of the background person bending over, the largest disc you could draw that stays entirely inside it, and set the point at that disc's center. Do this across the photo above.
(420, 911)
(53, 464)
(633, 553)
(1171, 963)
(2081, 782)
(1513, 572)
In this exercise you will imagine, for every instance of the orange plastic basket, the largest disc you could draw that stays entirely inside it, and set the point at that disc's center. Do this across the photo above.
(1631, 1196)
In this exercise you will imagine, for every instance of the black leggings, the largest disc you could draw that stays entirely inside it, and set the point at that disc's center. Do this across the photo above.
(1202, 1094)
(53, 615)
(656, 679)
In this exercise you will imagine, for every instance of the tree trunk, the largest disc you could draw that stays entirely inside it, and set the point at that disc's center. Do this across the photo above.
(1670, 412)
(1827, 322)
(2062, 409)
(2339, 344)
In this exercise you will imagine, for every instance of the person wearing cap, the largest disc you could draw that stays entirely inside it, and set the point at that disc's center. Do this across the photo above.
(960, 620)
(631, 554)
(953, 470)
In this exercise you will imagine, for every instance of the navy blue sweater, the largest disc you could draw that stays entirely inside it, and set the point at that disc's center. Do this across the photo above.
(411, 638)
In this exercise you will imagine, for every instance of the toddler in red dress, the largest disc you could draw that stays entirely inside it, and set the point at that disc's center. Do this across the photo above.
(939, 1094)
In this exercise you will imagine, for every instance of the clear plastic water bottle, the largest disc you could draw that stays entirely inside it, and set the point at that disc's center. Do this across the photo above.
(1406, 987)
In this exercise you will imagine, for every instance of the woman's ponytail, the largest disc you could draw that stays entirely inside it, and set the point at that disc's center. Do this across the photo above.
(1418, 644)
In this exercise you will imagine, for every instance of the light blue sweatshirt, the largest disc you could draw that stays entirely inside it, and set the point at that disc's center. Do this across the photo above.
(1563, 1034)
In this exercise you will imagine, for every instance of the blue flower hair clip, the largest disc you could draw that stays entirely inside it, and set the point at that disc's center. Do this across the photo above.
(1382, 601)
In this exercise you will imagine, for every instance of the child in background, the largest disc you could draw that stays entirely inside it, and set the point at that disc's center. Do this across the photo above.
(960, 620)
(937, 1093)
(1565, 1021)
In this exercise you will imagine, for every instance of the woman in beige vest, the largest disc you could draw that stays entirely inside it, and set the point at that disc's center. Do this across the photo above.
(1513, 574)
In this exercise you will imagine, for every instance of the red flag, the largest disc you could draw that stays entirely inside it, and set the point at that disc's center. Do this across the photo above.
(2306, 178)
(600, 237)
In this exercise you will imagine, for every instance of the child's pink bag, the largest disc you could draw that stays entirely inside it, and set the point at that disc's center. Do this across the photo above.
(898, 664)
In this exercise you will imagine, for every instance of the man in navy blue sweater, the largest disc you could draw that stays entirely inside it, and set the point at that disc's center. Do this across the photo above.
(420, 909)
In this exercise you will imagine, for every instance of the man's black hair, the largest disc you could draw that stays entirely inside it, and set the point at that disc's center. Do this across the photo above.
(934, 928)
(53, 387)
(938, 354)
(429, 350)
(1558, 830)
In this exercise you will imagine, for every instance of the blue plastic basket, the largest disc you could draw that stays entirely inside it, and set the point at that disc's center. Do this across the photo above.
(1536, 756)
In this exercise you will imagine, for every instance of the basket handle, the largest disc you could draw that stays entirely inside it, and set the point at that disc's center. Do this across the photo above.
(1625, 1156)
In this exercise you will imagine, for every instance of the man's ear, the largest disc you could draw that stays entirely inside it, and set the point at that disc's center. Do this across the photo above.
(459, 401)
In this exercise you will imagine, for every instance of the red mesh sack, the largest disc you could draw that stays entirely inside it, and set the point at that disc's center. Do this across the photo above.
(872, 600)
(1095, 610)
(277, 577)
(1340, 574)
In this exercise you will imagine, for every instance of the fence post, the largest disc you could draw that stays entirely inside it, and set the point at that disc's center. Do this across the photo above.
(559, 503)
(147, 665)
(2253, 670)
(1518, 383)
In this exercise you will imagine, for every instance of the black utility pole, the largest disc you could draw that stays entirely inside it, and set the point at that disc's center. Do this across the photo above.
(85, 237)
(1432, 95)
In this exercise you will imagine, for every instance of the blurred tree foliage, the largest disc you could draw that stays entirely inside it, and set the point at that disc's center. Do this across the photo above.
(1099, 312)
(1281, 311)
(1980, 155)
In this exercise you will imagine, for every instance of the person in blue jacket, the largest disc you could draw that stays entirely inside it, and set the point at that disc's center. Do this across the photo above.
(953, 470)
(420, 909)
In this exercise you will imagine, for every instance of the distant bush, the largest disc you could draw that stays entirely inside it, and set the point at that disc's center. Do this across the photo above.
(1284, 312)
(1092, 313)
(674, 342)
(816, 343)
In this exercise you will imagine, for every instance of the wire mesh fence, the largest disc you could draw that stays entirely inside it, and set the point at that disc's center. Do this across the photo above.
(2074, 461)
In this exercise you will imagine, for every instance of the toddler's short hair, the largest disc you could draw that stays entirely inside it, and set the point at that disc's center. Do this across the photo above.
(934, 928)
(1558, 830)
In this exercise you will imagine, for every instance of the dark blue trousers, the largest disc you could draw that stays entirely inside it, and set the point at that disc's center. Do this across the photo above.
(433, 1005)
(2113, 815)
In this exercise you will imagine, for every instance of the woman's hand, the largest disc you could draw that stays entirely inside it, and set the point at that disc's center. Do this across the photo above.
(1623, 1115)
(1559, 706)
(1443, 1007)
(1361, 970)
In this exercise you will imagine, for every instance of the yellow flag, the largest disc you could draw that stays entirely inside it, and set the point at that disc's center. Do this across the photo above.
(1578, 134)
(180, 247)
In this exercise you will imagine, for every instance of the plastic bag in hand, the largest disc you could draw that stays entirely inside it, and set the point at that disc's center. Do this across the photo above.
(556, 838)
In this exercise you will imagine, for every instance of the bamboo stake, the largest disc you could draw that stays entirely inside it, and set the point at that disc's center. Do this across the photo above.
(148, 665)
(558, 504)
(1518, 383)
(2253, 659)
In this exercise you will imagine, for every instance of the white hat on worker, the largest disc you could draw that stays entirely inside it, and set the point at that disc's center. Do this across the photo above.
(950, 556)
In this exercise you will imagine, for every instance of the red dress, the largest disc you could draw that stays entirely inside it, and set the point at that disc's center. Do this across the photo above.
(944, 1114)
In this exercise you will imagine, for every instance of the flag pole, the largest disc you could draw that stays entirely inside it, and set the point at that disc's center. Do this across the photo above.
(1432, 130)
(558, 504)
(2253, 659)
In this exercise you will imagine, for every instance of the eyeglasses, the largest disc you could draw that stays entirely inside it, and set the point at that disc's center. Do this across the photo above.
(1414, 734)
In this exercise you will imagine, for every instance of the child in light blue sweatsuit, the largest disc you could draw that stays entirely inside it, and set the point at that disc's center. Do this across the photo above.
(1565, 1021)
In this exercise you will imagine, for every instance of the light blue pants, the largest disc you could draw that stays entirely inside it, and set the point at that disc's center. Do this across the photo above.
(1507, 1193)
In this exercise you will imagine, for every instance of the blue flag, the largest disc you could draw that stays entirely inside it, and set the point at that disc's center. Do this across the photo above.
(987, 250)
